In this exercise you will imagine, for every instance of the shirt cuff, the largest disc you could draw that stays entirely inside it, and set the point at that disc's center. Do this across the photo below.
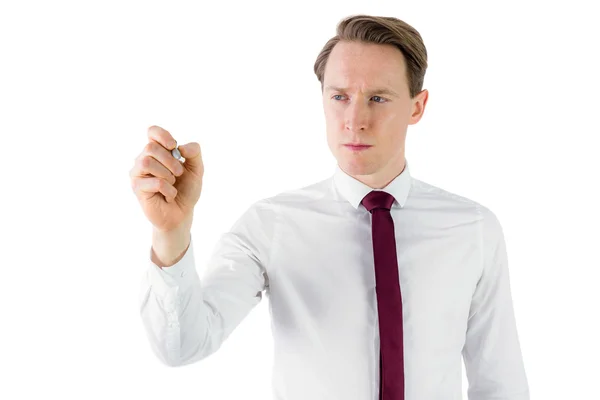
(176, 278)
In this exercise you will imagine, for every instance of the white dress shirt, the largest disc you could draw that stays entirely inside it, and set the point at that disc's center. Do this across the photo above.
(310, 252)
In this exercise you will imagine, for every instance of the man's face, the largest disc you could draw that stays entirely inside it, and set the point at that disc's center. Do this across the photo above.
(366, 100)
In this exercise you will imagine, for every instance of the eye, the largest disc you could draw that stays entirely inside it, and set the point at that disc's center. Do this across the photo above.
(337, 97)
(378, 99)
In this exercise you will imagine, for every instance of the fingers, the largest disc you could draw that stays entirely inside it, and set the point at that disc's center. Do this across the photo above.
(161, 136)
(163, 156)
(193, 156)
(155, 168)
(149, 186)
(150, 166)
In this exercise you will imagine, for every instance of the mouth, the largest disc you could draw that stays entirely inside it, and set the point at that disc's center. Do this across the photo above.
(357, 147)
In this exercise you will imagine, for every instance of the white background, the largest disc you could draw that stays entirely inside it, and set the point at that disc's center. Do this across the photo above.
(511, 123)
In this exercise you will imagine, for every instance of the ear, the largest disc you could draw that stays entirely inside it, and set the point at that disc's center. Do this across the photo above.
(418, 107)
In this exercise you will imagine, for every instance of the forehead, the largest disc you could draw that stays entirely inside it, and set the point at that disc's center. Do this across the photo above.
(354, 64)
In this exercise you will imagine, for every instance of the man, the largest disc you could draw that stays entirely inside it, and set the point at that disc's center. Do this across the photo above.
(378, 282)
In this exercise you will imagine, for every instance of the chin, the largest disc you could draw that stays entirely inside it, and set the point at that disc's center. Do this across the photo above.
(358, 168)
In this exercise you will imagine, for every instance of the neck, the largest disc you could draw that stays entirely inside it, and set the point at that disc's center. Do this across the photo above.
(382, 178)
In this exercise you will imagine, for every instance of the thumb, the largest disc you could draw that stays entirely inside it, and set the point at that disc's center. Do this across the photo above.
(193, 157)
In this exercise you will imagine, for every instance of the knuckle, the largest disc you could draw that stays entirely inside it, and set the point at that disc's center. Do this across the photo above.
(153, 129)
(136, 169)
(161, 134)
(150, 147)
(146, 161)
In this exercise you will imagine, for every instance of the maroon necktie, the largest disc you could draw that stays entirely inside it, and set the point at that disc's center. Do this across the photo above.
(389, 299)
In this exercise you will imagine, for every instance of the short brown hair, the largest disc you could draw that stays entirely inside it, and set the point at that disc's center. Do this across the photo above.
(381, 30)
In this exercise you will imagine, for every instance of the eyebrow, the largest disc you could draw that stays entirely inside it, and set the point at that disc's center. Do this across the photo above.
(378, 91)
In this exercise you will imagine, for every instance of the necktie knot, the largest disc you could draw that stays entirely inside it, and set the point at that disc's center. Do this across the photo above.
(378, 199)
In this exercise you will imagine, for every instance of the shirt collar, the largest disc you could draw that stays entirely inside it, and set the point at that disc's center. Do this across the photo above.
(354, 191)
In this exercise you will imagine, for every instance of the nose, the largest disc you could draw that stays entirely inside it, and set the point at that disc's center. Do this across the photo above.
(357, 116)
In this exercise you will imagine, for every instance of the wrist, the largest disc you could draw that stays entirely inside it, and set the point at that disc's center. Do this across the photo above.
(169, 247)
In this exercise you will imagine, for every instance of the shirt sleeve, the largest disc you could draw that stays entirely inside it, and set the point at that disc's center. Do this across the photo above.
(492, 353)
(187, 318)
